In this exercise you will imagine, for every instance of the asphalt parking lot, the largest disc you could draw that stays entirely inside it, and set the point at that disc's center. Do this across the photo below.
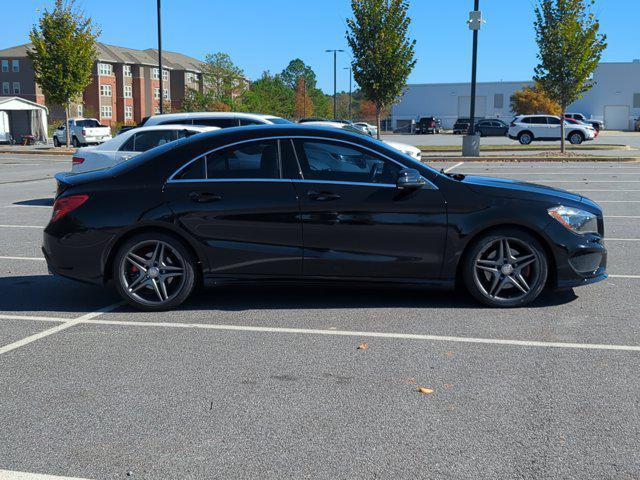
(269, 383)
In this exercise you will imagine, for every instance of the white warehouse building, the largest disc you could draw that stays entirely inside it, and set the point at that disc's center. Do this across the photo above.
(615, 99)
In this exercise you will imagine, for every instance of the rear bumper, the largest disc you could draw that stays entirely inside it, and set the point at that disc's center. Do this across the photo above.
(99, 139)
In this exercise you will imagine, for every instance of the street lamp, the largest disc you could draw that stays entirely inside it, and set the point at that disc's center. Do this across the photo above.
(160, 59)
(335, 52)
(471, 141)
(350, 75)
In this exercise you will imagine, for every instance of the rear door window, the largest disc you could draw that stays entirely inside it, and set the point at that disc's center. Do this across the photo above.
(143, 141)
(248, 160)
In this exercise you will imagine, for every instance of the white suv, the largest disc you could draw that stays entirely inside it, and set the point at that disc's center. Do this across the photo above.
(528, 128)
(213, 119)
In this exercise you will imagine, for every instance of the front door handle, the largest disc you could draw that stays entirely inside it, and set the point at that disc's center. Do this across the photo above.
(204, 197)
(322, 196)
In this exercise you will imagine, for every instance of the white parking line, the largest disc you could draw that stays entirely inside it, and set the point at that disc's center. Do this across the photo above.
(21, 226)
(617, 201)
(624, 276)
(447, 170)
(12, 475)
(359, 334)
(50, 331)
(36, 259)
(622, 239)
(606, 217)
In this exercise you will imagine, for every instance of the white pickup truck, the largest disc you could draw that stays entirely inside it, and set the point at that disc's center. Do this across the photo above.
(83, 131)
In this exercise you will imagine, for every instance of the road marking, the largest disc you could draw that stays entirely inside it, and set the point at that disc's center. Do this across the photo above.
(535, 172)
(21, 226)
(621, 216)
(50, 331)
(617, 201)
(581, 181)
(624, 276)
(359, 334)
(614, 191)
(34, 318)
(37, 259)
(622, 239)
(12, 475)
(447, 170)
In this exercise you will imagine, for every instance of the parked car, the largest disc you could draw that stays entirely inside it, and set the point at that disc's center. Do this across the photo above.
(573, 121)
(373, 130)
(413, 152)
(461, 126)
(214, 119)
(129, 144)
(596, 124)
(300, 203)
(82, 131)
(491, 127)
(529, 128)
(428, 125)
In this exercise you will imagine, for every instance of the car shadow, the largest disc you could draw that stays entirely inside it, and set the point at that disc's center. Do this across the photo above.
(36, 202)
(49, 293)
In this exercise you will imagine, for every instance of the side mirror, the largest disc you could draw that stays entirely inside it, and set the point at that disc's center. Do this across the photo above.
(410, 178)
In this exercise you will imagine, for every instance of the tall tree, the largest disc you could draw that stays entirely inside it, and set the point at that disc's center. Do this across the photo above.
(303, 102)
(63, 52)
(532, 101)
(567, 33)
(383, 54)
(270, 95)
(223, 78)
(296, 69)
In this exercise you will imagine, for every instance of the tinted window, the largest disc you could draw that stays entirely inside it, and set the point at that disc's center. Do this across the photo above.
(338, 162)
(248, 121)
(526, 120)
(216, 122)
(248, 160)
(128, 145)
(147, 140)
(553, 121)
(539, 120)
(195, 171)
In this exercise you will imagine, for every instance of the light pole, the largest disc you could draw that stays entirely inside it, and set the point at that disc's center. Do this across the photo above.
(471, 142)
(335, 53)
(160, 59)
(349, 68)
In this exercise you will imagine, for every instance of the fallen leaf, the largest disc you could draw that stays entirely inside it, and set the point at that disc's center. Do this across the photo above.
(424, 390)
(448, 354)
(448, 386)
(411, 381)
(363, 346)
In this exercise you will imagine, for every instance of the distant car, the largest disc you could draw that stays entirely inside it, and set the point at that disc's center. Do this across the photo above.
(373, 130)
(214, 119)
(461, 126)
(529, 128)
(596, 124)
(82, 131)
(428, 125)
(410, 150)
(129, 144)
(573, 121)
(491, 128)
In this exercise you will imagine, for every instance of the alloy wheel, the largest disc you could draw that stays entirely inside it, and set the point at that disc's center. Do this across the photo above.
(506, 269)
(152, 272)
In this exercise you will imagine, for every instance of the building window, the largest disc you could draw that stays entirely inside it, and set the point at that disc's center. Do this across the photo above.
(165, 93)
(155, 74)
(128, 112)
(126, 70)
(498, 100)
(5, 88)
(105, 69)
(636, 100)
(156, 93)
(105, 90)
(80, 110)
(16, 88)
(165, 75)
(15, 65)
(128, 91)
(105, 111)
(5, 65)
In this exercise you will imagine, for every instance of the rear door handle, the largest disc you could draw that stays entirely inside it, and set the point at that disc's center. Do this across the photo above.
(322, 196)
(204, 197)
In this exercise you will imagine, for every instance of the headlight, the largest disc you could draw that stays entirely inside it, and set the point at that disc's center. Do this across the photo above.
(574, 219)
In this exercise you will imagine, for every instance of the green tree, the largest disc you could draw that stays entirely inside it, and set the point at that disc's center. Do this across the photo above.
(224, 81)
(570, 48)
(296, 69)
(270, 95)
(63, 52)
(383, 54)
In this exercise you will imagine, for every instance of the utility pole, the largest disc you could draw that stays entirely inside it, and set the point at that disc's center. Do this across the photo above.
(160, 60)
(350, 74)
(471, 142)
(335, 85)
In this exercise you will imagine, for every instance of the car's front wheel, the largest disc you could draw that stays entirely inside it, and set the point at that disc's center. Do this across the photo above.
(525, 138)
(154, 271)
(506, 268)
(576, 138)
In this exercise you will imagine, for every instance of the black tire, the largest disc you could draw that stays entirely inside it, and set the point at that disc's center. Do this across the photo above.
(125, 271)
(525, 138)
(576, 138)
(75, 142)
(504, 281)
(56, 142)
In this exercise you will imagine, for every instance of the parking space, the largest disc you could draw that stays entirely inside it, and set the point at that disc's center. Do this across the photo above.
(269, 383)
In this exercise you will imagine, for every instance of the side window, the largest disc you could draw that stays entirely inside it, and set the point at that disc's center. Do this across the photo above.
(128, 145)
(247, 160)
(247, 121)
(195, 171)
(329, 161)
(526, 120)
(216, 122)
(553, 121)
(147, 140)
(539, 120)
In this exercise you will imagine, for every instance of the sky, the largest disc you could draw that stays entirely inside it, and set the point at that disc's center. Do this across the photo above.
(264, 35)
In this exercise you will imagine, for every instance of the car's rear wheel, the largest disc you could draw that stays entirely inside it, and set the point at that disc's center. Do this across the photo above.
(75, 142)
(506, 268)
(525, 138)
(56, 142)
(576, 138)
(154, 271)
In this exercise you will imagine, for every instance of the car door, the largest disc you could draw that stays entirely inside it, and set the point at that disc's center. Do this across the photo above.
(235, 202)
(554, 128)
(357, 223)
(539, 127)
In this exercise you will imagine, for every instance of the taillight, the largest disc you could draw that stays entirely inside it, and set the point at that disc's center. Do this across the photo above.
(63, 206)
(84, 132)
(77, 160)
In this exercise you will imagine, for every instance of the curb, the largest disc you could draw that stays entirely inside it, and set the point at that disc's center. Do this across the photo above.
(36, 152)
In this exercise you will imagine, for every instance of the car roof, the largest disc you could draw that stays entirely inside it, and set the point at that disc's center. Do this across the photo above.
(199, 115)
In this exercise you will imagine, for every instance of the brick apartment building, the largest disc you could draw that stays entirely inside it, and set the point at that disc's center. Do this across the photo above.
(125, 84)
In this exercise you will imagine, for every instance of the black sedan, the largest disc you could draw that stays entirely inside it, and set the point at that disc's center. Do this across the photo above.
(286, 204)
(492, 128)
